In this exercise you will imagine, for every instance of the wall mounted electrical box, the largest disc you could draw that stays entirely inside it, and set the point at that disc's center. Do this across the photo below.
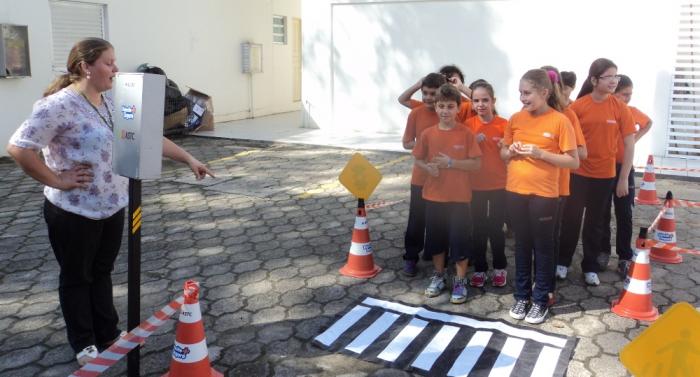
(14, 51)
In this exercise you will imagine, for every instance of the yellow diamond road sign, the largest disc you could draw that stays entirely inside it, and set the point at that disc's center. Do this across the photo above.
(669, 347)
(360, 177)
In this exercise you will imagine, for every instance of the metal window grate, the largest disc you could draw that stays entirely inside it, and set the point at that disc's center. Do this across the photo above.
(279, 29)
(684, 113)
(70, 22)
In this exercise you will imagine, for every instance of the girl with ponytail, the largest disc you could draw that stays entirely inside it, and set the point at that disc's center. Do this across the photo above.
(538, 141)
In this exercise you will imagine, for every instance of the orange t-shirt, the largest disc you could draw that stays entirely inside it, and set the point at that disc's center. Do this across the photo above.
(492, 175)
(420, 119)
(465, 108)
(602, 123)
(451, 185)
(564, 173)
(641, 121)
(551, 132)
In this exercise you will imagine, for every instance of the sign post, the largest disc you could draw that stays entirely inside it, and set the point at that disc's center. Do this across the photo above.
(139, 99)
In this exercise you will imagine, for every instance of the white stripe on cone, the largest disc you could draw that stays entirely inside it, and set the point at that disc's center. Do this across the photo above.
(665, 237)
(190, 353)
(668, 213)
(360, 249)
(361, 223)
(641, 256)
(648, 185)
(636, 286)
(649, 169)
(190, 313)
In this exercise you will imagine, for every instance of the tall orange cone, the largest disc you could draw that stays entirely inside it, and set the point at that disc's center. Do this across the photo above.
(647, 189)
(635, 301)
(360, 260)
(190, 354)
(666, 233)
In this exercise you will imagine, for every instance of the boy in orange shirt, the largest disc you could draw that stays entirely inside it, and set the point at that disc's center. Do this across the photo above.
(419, 120)
(454, 76)
(447, 152)
(623, 204)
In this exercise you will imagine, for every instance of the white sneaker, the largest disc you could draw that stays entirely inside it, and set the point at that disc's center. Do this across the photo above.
(592, 278)
(87, 355)
(561, 272)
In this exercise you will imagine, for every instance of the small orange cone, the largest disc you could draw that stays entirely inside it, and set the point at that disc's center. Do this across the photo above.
(190, 354)
(666, 233)
(635, 301)
(360, 260)
(647, 189)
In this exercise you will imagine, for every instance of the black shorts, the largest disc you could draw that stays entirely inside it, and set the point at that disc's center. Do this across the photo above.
(448, 228)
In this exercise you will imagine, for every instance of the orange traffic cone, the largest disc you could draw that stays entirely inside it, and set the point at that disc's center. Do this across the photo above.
(190, 354)
(635, 300)
(360, 260)
(666, 233)
(647, 190)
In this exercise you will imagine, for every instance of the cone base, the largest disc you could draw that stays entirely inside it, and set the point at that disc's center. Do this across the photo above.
(213, 373)
(654, 201)
(360, 274)
(650, 315)
(663, 256)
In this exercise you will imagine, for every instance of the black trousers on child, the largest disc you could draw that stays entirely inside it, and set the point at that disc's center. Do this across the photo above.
(85, 250)
(533, 219)
(414, 239)
(590, 194)
(488, 215)
(623, 218)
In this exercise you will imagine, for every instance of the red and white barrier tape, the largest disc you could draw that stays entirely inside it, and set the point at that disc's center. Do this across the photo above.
(130, 341)
(678, 203)
(690, 170)
(382, 204)
(655, 223)
(664, 246)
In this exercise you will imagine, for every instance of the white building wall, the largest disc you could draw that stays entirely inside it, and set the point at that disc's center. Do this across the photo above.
(360, 55)
(196, 43)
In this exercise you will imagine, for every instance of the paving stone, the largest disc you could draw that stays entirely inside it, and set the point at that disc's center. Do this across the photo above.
(21, 357)
(607, 365)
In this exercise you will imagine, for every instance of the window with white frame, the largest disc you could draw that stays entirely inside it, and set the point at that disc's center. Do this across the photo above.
(72, 21)
(279, 29)
(684, 114)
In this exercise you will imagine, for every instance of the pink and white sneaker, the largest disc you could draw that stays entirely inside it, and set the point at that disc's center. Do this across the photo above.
(477, 279)
(499, 278)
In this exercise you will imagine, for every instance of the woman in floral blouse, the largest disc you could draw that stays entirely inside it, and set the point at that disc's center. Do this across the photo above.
(84, 206)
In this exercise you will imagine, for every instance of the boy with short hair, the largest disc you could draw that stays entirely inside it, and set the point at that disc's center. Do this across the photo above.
(447, 152)
(419, 120)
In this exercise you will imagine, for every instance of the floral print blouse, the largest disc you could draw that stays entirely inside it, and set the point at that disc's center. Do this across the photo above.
(69, 132)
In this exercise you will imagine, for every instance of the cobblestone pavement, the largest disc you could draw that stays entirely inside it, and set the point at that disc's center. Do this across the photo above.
(266, 239)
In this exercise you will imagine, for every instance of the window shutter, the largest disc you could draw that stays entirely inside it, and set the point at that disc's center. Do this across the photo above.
(70, 22)
(684, 115)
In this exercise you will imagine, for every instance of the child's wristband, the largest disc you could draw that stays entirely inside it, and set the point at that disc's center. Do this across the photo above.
(449, 163)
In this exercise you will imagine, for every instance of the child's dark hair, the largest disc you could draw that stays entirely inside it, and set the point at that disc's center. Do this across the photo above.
(481, 83)
(624, 83)
(598, 67)
(568, 78)
(540, 79)
(433, 81)
(448, 92)
(477, 82)
(450, 70)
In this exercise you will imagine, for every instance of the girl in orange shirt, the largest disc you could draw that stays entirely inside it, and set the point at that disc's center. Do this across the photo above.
(603, 119)
(623, 204)
(538, 141)
(488, 187)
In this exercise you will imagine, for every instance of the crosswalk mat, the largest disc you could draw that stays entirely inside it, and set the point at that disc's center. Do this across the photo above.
(432, 342)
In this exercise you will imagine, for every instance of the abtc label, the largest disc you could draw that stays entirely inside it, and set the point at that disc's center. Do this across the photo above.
(180, 352)
(127, 135)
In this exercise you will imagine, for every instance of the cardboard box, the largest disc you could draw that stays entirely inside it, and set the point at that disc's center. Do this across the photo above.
(175, 119)
(201, 116)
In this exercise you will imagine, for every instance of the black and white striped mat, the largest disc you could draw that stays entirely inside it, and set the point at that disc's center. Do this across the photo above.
(439, 343)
